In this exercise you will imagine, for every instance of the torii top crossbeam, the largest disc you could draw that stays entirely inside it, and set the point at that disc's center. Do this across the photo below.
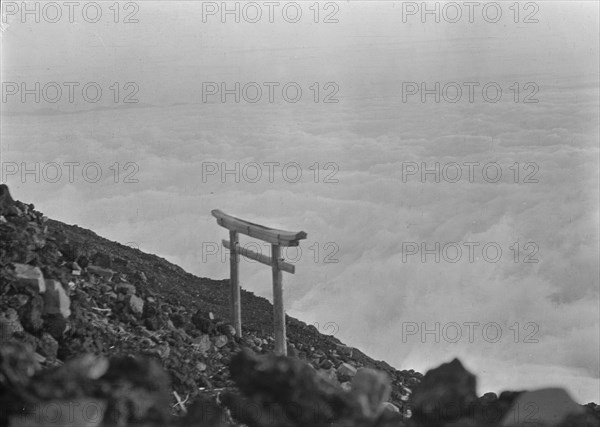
(270, 235)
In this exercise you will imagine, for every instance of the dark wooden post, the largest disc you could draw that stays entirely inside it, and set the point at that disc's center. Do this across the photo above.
(236, 303)
(278, 309)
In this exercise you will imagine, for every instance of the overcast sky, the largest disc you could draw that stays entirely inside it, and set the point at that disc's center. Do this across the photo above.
(361, 134)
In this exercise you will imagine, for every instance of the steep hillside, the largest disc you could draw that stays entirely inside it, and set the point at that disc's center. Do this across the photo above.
(90, 323)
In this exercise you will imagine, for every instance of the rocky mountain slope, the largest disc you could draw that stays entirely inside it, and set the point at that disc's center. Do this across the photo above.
(97, 333)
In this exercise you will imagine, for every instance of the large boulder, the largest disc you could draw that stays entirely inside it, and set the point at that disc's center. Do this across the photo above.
(30, 277)
(285, 392)
(445, 394)
(371, 389)
(56, 300)
(140, 391)
(547, 407)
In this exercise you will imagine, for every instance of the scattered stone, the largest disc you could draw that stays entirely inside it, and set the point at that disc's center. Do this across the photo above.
(30, 314)
(30, 277)
(17, 364)
(56, 300)
(17, 301)
(48, 346)
(136, 304)
(69, 251)
(125, 288)
(345, 350)
(202, 322)
(101, 259)
(56, 325)
(9, 324)
(371, 389)
(13, 211)
(162, 351)
(220, 341)
(100, 271)
(227, 329)
(326, 364)
(202, 343)
(141, 276)
(345, 372)
(177, 319)
(83, 261)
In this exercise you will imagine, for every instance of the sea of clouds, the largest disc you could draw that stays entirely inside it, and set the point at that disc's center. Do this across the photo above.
(516, 324)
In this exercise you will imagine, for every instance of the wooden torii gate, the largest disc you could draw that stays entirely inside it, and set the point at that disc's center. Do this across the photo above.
(277, 239)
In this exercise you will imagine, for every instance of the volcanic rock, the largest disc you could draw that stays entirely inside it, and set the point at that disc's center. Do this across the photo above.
(17, 365)
(202, 343)
(100, 271)
(101, 259)
(30, 277)
(125, 288)
(444, 394)
(136, 304)
(30, 314)
(345, 372)
(56, 300)
(6, 201)
(220, 341)
(286, 389)
(547, 407)
(48, 346)
(9, 324)
(371, 389)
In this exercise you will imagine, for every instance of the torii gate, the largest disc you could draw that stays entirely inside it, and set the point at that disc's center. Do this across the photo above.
(277, 238)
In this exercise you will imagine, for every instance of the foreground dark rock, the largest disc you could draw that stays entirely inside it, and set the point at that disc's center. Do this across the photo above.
(97, 333)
